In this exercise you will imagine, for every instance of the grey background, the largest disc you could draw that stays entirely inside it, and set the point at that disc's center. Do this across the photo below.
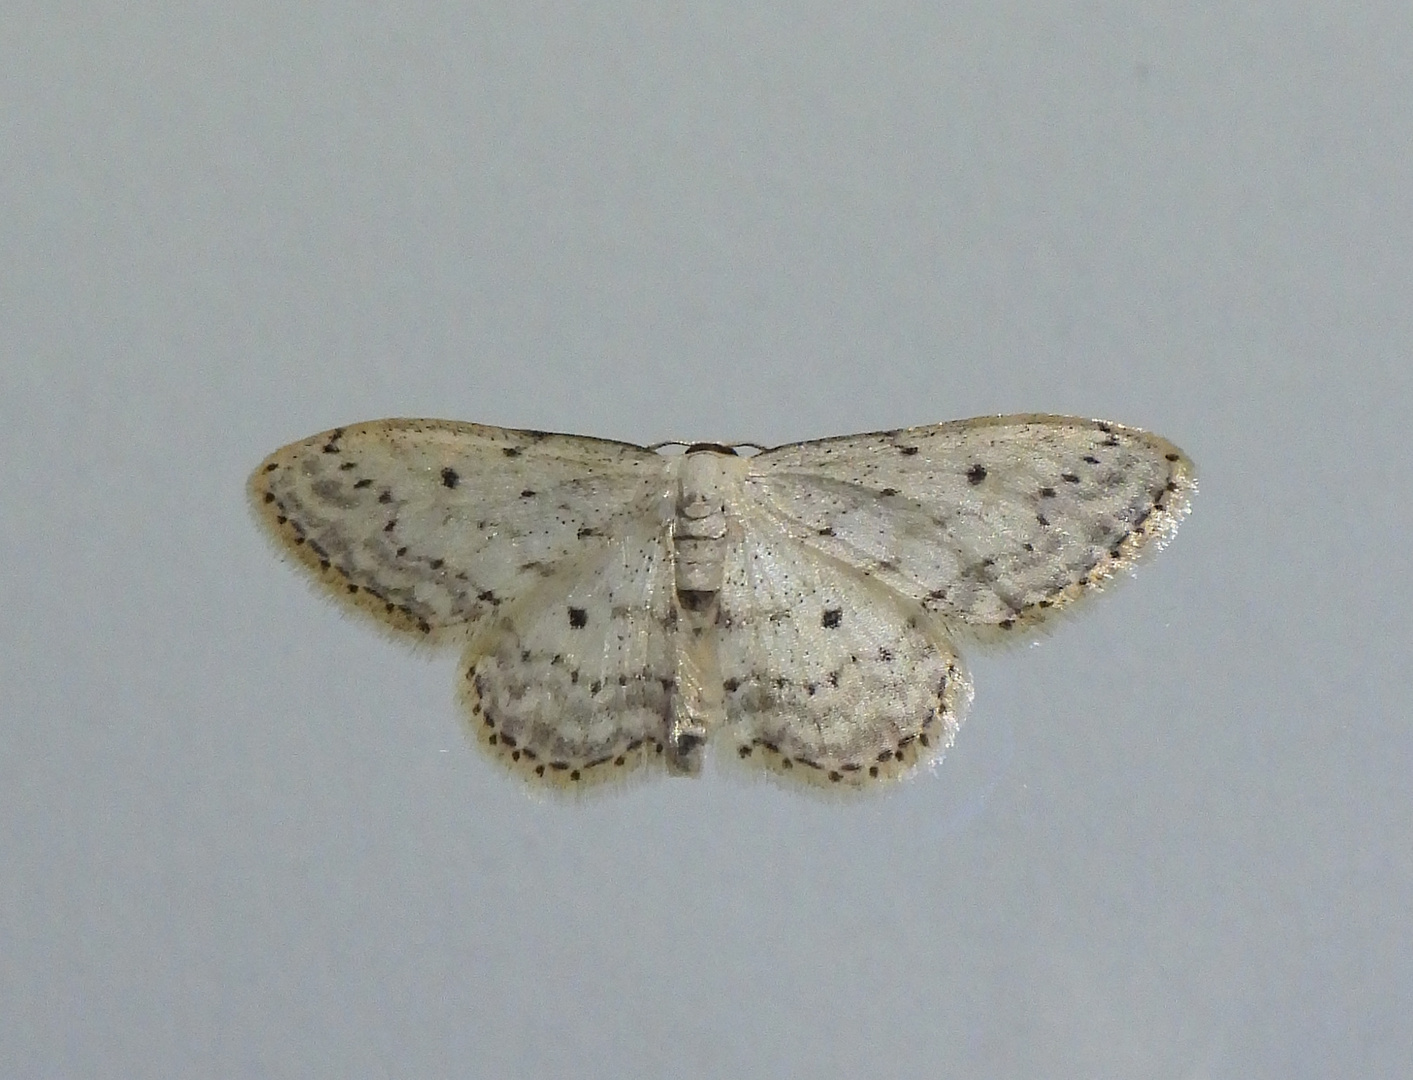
(242, 836)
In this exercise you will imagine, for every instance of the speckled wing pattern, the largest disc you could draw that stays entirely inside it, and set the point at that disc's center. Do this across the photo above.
(830, 677)
(989, 524)
(573, 684)
(545, 554)
(432, 525)
(860, 556)
(847, 566)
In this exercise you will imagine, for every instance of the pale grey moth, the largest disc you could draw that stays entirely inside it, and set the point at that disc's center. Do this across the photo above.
(619, 607)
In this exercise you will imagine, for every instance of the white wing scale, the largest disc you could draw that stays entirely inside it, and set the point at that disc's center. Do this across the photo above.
(429, 525)
(830, 677)
(573, 684)
(989, 523)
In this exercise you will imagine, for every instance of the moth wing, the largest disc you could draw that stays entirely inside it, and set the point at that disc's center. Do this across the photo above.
(830, 678)
(428, 525)
(991, 524)
(572, 684)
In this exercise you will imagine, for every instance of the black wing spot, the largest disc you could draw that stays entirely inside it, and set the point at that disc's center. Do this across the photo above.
(976, 474)
(450, 478)
(832, 618)
(578, 618)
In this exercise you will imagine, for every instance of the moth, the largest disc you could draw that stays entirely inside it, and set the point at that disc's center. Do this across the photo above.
(620, 607)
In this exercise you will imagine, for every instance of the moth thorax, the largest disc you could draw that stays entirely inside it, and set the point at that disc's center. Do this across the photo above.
(699, 528)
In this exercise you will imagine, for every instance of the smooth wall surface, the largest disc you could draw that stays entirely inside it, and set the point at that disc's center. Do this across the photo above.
(243, 836)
